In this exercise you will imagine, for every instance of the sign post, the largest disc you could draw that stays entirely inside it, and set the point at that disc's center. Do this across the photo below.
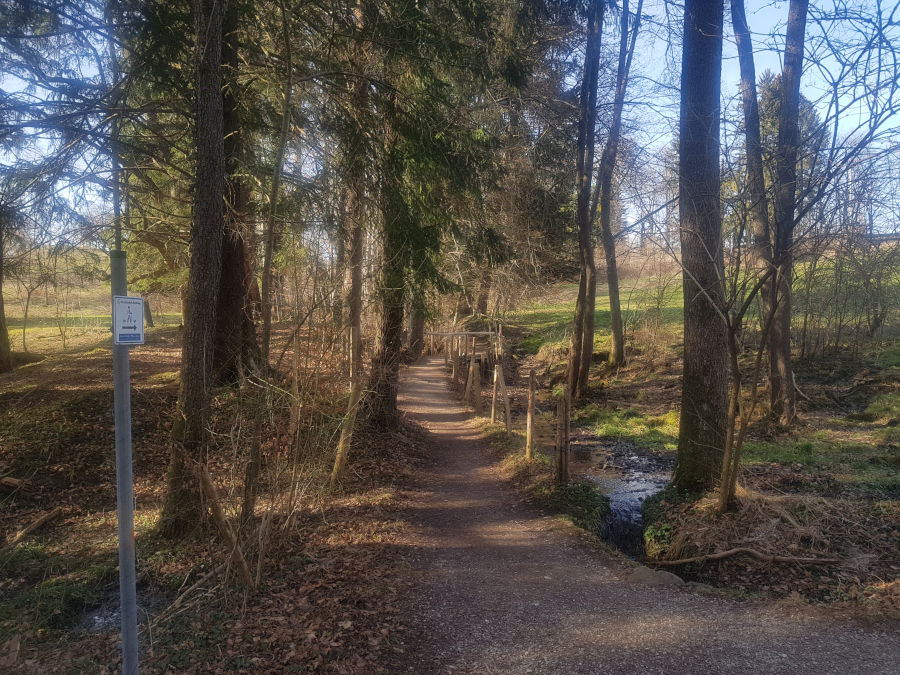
(128, 320)
(128, 329)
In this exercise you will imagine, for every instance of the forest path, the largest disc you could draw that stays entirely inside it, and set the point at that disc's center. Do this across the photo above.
(497, 588)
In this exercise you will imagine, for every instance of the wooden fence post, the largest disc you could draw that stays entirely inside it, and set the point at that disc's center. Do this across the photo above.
(446, 351)
(529, 420)
(505, 399)
(470, 380)
(453, 355)
(562, 438)
(476, 385)
(494, 398)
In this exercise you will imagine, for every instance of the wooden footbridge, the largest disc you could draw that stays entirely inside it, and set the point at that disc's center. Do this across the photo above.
(472, 357)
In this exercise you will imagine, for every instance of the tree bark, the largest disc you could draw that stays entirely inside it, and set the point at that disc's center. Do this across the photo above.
(182, 507)
(235, 335)
(417, 332)
(381, 406)
(704, 398)
(584, 169)
(5, 349)
(605, 180)
(783, 396)
(354, 216)
(381, 403)
(756, 184)
(354, 305)
(484, 289)
(275, 189)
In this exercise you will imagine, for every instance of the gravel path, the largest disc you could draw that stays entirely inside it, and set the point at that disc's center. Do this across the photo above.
(497, 588)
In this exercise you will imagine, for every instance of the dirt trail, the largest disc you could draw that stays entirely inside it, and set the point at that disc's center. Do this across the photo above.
(499, 589)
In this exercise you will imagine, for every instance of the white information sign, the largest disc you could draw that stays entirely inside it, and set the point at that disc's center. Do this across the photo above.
(128, 320)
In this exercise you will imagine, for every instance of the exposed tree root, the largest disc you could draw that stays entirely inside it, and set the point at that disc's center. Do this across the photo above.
(752, 553)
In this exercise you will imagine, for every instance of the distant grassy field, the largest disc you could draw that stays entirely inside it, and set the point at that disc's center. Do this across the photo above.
(652, 308)
(74, 317)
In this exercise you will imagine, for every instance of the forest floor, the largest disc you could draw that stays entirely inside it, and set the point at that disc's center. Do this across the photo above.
(500, 587)
(429, 557)
(328, 597)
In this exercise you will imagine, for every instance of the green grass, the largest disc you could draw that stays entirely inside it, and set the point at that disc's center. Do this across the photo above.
(865, 468)
(584, 504)
(548, 323)
(890, 356)
(60, 586)
(884, 408)
(14, 323)
(657, 432)
(34, 437)
(581, 503)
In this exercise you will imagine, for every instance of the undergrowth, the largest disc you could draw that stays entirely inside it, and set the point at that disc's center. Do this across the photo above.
(800, 526)
(580, 502)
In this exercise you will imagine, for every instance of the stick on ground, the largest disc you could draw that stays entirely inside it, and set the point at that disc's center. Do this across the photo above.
(765, 557)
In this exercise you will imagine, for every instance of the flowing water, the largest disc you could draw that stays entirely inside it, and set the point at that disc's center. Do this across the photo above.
(627, 475)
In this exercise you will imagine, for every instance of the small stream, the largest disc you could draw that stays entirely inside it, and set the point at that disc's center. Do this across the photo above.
(627, 475)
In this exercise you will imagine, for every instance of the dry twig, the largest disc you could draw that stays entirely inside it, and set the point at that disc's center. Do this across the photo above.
(50, 515)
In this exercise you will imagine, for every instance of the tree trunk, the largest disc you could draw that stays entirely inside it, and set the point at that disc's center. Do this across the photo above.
(275, 190)
(417, 333)
(781, 378)
(354, 216)
(584, 169)
(5, 349)
(381, 406)
(704, 398)
(756, 185)
(605, 180)
(181, 509)
(148, 315)
(381, 403)
(587, 333)
(576, 346)
(484, 289)
(354, 304)
(28, 292)
(235, 336)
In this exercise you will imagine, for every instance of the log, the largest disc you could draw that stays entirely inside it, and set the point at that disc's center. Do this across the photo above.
(11, 483)
(765, 557)
(50, 515)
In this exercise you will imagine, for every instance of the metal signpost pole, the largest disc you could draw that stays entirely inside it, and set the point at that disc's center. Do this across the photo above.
(124, 481)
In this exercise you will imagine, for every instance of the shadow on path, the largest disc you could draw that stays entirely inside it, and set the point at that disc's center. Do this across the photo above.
(497, 588)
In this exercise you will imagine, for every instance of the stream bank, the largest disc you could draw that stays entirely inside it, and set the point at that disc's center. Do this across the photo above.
(627, 475)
